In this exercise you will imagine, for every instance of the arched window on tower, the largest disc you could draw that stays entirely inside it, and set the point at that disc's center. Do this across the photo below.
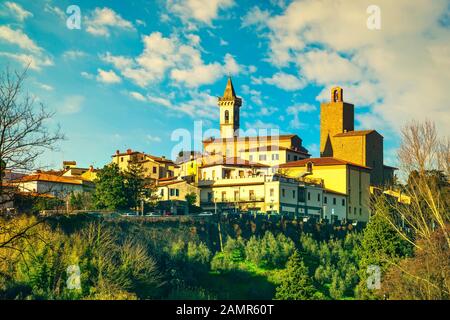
(227, 116)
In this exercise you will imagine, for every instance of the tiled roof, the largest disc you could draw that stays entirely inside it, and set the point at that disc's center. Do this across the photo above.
(50, 178)
(324, 161)
(234, 161)
(354, 133)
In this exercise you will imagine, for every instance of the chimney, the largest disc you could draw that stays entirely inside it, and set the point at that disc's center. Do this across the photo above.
(163, 157)
(117, 152)
(128, 151)
(91, 168)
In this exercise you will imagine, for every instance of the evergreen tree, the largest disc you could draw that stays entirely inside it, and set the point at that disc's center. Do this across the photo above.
(110, 189)
(296, 283)
(136, 185)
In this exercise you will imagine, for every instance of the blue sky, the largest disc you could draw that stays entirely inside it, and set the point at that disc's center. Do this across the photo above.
(138, 70)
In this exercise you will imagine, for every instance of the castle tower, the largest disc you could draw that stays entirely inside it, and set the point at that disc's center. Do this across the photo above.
(336, 117)
(229, 105)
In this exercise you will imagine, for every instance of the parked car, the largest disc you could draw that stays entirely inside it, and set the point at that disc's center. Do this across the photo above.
(205, 213)
(129, 214)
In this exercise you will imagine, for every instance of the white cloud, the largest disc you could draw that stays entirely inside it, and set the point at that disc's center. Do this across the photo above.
(35, 62)
(102, 20)
(17, 37)
(56, 11)
(19, 12)
(86, 75)
(160, 100)
(74, 54)
(107, 76)
(223, 42)
(153, 138)
(44, 86)
(203, 11)
(255, 95)
(398, 71)
(171, 57)
(285, 81)
(137, 96)
(255, 17)
(71, 104)
(295, 110)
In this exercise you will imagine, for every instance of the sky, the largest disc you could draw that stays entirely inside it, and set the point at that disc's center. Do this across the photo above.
(137, 71)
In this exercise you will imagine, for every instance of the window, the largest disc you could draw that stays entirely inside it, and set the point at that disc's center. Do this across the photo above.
(227, 116)
(301, 194)
(224, 196)
(309, 195)
(251, 194)
(309, 167)
(282, 192)
(154, 169)
(293, 194)
(250, 158)
(334, 201)
(325, 199)
(295, 158)
(272, 192)
(262, 157)
(354, 211)
(121, 159)
(162, 193)
(360, 211)
(210, 196)
(349, 209)
(289, 157)
(343, 202)
(236, 195)
(275, 156)
(318, 197)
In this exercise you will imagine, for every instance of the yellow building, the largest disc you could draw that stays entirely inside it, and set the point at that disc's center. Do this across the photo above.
(338, 139)
(268, 149)
(176, 189)
(336, 175)
(154, 167)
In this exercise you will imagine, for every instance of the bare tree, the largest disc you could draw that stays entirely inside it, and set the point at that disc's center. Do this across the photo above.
(424, 159)
(24, 134)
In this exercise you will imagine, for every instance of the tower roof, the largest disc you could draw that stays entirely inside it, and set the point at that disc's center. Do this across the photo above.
(229, 92)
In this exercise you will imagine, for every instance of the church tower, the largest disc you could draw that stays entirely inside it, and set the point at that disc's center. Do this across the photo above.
(336, 117)
(229, 105)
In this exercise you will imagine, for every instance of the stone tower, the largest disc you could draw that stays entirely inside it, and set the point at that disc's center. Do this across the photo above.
(336, 117)
(229, 105)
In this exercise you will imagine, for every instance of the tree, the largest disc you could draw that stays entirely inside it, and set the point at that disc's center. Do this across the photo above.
(425, 159)
(136, 184)
(191, 198)
(24, 134)
(381, 246)
(296, 283)
(110, 189)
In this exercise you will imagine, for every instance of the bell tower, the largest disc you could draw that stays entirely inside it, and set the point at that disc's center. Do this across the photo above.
(229, 105)
(336, 117)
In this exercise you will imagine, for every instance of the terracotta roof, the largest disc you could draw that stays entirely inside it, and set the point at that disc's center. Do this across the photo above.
(354, 133)
(324, 161)
(159, 159)
(167, 179)
(167, 183)
(50, 178)
(234, 161)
